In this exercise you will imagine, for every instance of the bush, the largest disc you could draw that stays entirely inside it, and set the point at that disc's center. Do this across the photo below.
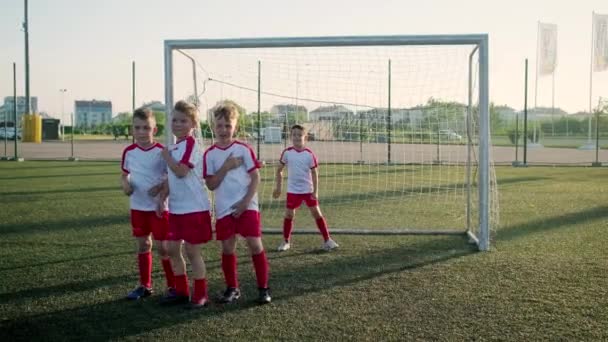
(512, 134)
(531, 136)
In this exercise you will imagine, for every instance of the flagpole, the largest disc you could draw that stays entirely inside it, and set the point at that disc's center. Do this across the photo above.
(552, 102)
(591, 78)
(536, 83)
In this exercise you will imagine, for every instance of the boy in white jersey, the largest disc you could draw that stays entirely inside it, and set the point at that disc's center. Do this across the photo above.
(302, 186)
(143, 173)
(189, 218)
(231, 170)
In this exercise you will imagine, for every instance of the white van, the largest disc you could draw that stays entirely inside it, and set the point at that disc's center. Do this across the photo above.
(272, 135)
(449, 135)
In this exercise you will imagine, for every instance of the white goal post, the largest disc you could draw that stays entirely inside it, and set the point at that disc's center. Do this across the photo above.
(453, 153)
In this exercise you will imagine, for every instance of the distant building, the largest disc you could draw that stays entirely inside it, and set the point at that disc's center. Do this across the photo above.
(7, 109)
(330, 113)
(155, 106)
(92, 113)
(546, 113)
(398, 115)
(279, 111)
(580, 115)
(507, 114)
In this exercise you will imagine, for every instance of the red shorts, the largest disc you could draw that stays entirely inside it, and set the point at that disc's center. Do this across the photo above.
(194, 228)
(295, 200)
(145, 223)
(247, 225)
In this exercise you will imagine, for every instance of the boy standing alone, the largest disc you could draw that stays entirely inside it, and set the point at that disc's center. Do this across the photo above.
(302, 186)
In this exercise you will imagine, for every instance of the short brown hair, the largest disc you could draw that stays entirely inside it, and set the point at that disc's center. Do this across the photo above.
(143, 113)
(296, 126)
(226, 110)
(188, 109)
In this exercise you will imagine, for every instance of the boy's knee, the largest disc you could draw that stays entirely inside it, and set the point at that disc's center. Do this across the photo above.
(290, 213)
(144, 245)
(192, 251)
(162, 250)
(316, 212)
(174, 251)
(228, 250)
(255, 245)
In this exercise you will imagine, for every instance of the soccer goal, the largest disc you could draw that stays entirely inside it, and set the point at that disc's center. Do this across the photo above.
(399, 124)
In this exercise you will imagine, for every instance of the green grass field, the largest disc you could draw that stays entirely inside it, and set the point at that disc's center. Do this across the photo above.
(67, 260)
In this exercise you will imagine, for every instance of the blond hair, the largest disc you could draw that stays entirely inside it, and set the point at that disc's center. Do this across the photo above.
(226, 110)
(187, 109)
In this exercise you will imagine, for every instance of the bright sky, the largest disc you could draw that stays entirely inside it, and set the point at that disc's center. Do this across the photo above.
(87, 46)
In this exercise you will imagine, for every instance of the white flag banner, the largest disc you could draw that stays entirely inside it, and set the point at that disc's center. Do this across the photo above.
(548, 48)
(600, 42)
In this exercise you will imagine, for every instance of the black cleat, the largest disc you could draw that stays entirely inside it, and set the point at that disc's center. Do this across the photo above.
(140, 292)
(172, 298)
(264, 297)
(231, 295)
(203, 303)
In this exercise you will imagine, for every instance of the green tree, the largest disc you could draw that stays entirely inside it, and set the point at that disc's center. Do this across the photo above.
(123, 118)
(496, 122)
(160, 117)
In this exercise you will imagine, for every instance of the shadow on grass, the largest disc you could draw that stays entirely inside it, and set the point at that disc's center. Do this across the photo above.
(545, 224)
(61, 261)
(54, 191)
(118, 319)
(384, 195)
(58, 165)
(67, 175)
(99, 222)
(212, 265)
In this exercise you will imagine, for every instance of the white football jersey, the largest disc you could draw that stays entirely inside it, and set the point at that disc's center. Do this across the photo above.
(145, 168)
(234, 186)
(187, 194)
(299, 163)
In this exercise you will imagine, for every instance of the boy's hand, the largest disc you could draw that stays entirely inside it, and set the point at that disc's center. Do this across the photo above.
(276, 193)
(160, 208)
(165, 153)
(127, 189)
(232, 162)
(155, 190)
(238, 208)
(315, 195)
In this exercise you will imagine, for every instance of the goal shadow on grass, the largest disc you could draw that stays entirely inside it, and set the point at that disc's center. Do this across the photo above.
(545, 224)
(291, 278)
(392, 194)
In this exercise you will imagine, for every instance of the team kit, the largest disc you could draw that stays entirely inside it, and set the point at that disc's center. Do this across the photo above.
(170, 210)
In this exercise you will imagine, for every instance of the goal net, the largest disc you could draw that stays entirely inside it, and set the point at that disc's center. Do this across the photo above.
(399, 124)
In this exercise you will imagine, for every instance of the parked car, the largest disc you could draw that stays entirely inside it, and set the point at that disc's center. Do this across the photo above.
(449, 135)
(9, 133)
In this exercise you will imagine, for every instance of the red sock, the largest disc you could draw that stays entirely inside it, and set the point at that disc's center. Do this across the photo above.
(287, 228)
(144, 261)
(322, 225)
(181, 285)
(168, 272)
(200, 290)
(260, 264)
(229, 268)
